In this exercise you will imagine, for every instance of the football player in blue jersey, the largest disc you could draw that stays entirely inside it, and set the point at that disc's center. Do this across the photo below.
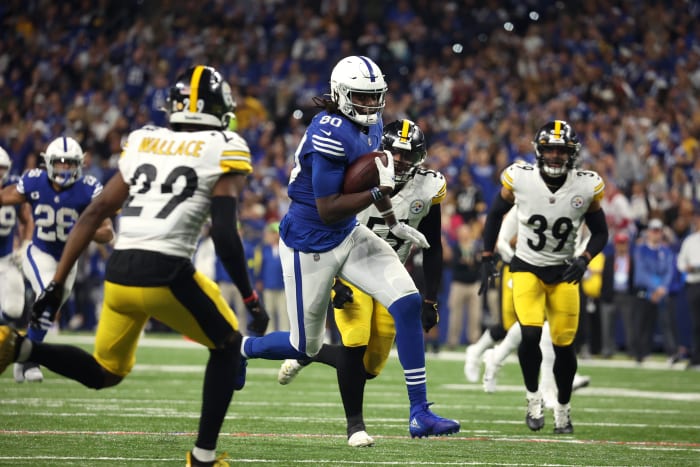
(11, 281)
(57, 196)
(320, 237)
(366, 327)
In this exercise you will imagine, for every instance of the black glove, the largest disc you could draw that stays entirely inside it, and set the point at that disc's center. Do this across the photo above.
(46, 306)
(577, 268)
(429, 315)
(488, 272)
(257, 325)
(343, 294)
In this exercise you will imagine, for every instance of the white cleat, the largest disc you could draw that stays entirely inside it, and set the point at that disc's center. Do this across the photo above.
(288, 371)
(29, 372)
(580, 382)
(33, 374)
(490, 372)
(471, 364)
(360, 439)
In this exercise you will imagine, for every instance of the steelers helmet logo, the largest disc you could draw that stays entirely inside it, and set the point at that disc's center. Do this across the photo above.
(417, 206)
(577, 202)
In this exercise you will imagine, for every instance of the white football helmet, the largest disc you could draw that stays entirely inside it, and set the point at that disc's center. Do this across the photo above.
(6, 164)
(66, 150)
(358, 75)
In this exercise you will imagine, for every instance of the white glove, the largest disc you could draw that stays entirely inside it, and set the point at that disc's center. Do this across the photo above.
(386, 173)
(19, 254)
(406, 232)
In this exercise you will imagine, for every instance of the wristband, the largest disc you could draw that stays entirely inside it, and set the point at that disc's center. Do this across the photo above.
(386, 213)
(252, 298)
(376, 193)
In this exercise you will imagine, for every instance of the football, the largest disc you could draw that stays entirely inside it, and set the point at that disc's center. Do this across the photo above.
(362, 174)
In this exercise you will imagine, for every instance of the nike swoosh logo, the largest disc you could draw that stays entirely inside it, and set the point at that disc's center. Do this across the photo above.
(326, 132)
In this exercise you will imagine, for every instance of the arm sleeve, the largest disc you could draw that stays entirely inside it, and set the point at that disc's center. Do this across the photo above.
(227, 242)
(494, 219)
(599, 232)
(431, 226)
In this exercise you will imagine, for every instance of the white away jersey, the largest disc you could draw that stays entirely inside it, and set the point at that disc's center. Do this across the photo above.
(548, 222)
(171, 175)
(411, 205)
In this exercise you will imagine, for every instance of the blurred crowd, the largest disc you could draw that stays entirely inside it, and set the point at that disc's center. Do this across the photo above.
(478, 77)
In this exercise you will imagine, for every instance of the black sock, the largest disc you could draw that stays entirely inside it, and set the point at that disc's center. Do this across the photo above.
(565, 366)
(69, 361)
(351, 381)
(219, 379)
(530, 356)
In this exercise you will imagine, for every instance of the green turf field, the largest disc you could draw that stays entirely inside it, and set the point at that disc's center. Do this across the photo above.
(629, 416)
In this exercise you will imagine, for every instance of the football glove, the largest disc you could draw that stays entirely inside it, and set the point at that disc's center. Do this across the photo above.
(577, 268)
(406, 232)
(46, 306)
(386, 173)
(343, 294)
(429, 315)
(17, 256)
(257, 324)
(488, 272)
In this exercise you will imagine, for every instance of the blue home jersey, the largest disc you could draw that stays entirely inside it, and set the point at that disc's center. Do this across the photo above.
(339, 142)
(8, 222)
(55, 212)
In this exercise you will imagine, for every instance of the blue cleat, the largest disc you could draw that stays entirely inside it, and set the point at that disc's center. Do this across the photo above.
(423, 422)
(240, 377)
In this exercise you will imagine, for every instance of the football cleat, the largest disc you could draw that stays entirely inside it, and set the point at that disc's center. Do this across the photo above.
(288, 371)
(580, 382)
(471, 364)
(360, 439)
(218, 462)
(534, 418)
(423, 422)
(562, 419)
(239, 383)
(32, 373)
(491, 370)
(8, 342)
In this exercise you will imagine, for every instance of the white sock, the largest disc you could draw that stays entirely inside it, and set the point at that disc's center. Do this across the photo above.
(508, 345)
(484, 342)
(204, 455)
(547, 368)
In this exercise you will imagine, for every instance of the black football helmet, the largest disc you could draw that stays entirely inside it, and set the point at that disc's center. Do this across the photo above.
(201, 96)
(556, 134)
(405, 138)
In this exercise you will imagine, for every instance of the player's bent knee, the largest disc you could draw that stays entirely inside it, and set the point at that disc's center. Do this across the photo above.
(107, 379)
(355, 337)
(406, 307)
(564, 339)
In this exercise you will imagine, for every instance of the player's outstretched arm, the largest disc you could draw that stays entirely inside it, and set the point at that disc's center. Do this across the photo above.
(104, 205)
(10, 196)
